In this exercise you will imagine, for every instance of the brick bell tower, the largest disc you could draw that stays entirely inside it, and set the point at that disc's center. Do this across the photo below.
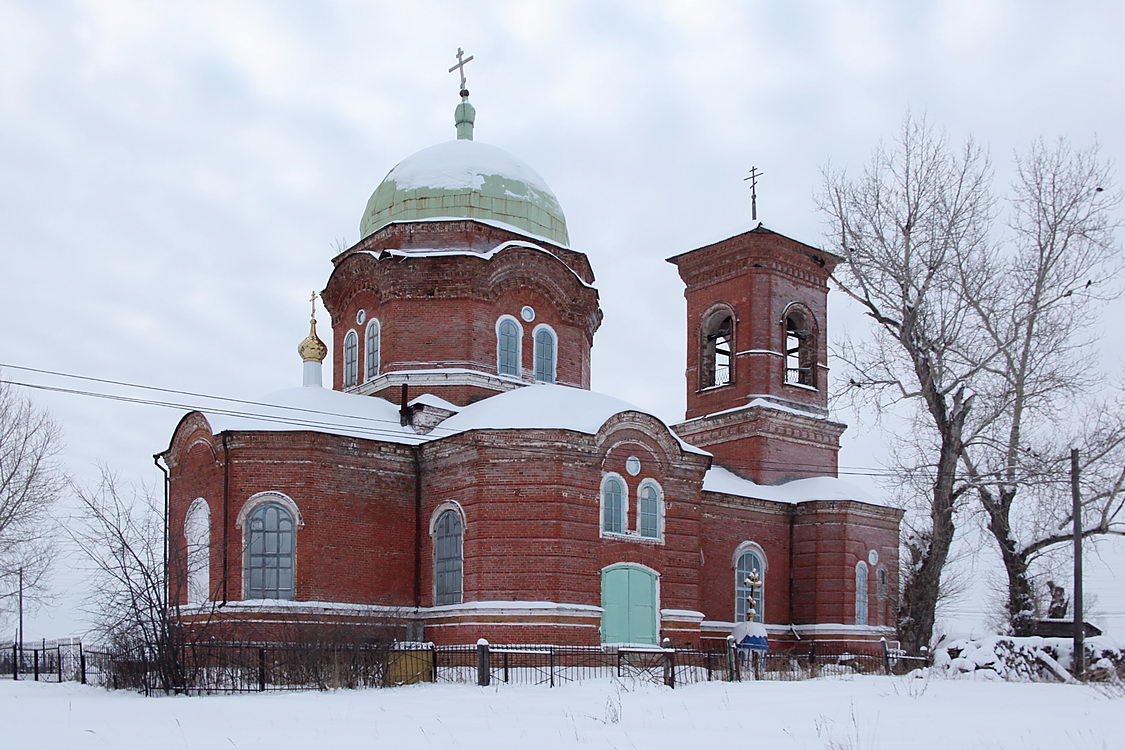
(757, 374)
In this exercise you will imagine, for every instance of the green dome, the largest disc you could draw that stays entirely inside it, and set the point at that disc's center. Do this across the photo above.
(469, 180)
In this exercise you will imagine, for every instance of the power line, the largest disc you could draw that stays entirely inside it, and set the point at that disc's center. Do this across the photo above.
(375, 432)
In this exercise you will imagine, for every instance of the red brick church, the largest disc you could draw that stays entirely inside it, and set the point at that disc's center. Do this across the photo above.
(460, 475)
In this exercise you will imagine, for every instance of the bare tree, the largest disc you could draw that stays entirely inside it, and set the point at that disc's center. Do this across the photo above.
(134, 611)
(1038, 393)
(987, 334)
(911, 229)
(31, 480)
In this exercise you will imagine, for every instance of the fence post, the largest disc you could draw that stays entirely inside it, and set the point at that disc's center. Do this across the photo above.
(886, 655)
(483, 672)
(82, 666)
(669, 663)
(756, 660)
(59, 652)
(261, 669)
(732, 660)
(552, 666)
(504, 659)
(15, 661)
(35, 651)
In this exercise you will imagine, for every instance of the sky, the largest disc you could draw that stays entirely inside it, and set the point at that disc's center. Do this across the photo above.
(175, 178)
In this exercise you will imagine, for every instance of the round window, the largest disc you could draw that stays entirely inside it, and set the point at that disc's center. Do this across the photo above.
(527, 313)
(873, 557)
(633, 465)
(360, 317)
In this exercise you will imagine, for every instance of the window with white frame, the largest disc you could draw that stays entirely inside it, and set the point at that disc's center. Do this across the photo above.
(749, 558)
(545, 354)
(197, 540)
(613, 505)
(371, 349)
(351, 358)
(508, 347)
(649, 502)
(861, 593)
(448, 558)
(270, 552)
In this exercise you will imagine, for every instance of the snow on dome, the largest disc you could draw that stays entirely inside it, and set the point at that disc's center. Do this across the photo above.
(545, 407)
(723, 480)
(316, 410)
(466, 179)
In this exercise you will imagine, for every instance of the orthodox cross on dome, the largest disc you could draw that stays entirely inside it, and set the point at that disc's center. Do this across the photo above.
(753, 179)
(312, 299)
(460, 68)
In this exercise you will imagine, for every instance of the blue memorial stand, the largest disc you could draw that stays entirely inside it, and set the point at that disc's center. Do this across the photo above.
(751, 636)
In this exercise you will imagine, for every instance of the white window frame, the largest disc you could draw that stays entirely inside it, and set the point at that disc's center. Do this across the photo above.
(624, 506)
(519, 347)
(197, 554)
(372, 324)
(649, 482)
(739, 551)
(255, 501)
(554, 353)
(862, 594)
(351, 370)
(439, 511)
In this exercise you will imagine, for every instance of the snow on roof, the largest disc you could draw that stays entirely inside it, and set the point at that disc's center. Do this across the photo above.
(547, 407)
(429, 399)
(483, 220)
(552, 407)
(317, 410)
(723, 480)
(453, 251)
(462, 164)
(764, 404)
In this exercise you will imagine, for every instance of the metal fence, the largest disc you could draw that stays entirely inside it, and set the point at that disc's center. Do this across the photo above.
(44, 661)
(232, 667)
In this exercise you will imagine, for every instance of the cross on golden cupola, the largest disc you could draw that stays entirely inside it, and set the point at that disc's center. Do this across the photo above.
(312, 349)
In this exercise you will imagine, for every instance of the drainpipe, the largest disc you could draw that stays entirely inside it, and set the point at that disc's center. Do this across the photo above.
(416, 450)
(792, 526)
(164, 560)
(226, 515)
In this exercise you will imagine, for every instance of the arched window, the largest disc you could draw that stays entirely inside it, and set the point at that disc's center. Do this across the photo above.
(613, 505)
(371, 350)
(749, 558)
(800, 349)
(649, 501)
(270, 550)
(861, 593)
(448, 557)
(508, 347)
(351, 358)
(197, 540)
(544, 354)
(717, 358)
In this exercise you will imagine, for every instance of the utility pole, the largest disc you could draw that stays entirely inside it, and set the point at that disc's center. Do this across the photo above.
(1079, 660)
(20, 638)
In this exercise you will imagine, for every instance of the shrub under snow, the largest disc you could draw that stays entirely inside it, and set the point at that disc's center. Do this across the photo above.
(1028, 659)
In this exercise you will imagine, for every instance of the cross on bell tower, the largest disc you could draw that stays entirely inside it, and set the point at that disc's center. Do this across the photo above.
(755, 173)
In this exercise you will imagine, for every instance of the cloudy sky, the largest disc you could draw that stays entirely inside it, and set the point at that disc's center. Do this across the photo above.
(174, 178)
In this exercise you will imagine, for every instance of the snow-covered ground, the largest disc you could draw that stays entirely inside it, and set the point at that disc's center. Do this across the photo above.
(846, 712)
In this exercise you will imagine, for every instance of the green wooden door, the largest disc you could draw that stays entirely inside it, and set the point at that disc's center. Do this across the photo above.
(629, 604)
